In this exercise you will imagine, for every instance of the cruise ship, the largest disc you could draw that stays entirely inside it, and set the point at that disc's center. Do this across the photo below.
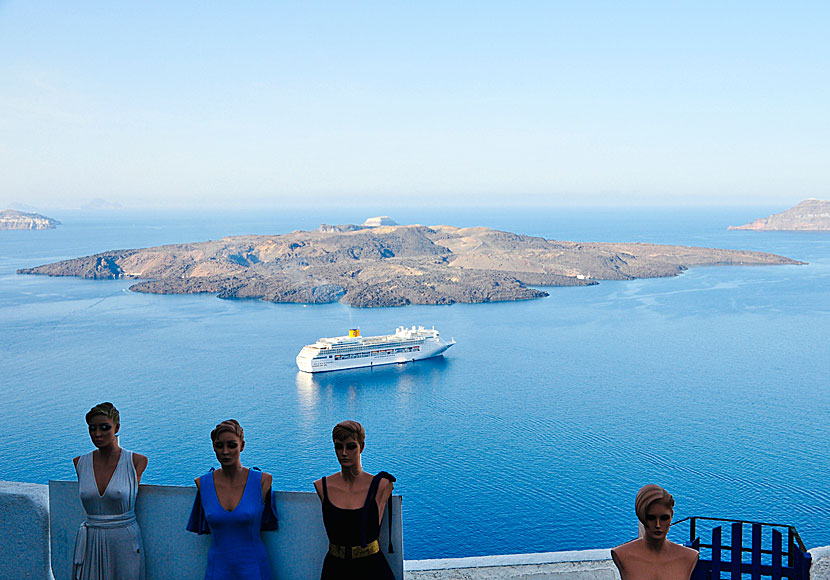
(352, 351)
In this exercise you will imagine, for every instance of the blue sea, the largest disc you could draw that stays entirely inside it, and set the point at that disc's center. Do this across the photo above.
(532, 434)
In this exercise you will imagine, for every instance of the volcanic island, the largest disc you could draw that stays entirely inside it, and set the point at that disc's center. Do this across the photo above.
(809, 215)
(390, 265)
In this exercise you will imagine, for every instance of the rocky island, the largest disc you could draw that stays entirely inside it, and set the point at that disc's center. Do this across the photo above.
(390, 265)
(810, 214)
(11, 219)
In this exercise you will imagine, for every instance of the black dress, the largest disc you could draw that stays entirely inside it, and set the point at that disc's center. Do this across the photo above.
(357, 527)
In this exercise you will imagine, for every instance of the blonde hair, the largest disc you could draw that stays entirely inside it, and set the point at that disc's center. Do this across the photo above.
(230, 426)
(107, 410)
(648, 495)
(345, 429)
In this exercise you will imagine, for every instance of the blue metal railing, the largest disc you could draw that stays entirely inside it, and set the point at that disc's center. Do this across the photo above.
(755, 560)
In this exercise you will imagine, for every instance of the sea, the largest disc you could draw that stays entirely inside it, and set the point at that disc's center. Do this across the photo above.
(532, 434)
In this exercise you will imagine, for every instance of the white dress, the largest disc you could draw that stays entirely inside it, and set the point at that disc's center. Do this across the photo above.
(108, 545)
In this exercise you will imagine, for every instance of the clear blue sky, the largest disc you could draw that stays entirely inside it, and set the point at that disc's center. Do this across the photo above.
(251, 104)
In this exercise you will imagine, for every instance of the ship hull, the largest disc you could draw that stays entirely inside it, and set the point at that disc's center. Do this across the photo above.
(428, 349)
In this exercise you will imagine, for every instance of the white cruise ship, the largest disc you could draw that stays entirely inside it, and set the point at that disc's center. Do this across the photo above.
(352, 351)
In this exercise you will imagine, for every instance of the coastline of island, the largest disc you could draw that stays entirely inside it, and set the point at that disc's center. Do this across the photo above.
(11, 219)
(809, 215)
(390, 265)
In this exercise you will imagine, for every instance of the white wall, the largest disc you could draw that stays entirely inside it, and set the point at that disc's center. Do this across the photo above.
(175, 553)
(24, 531)
(296, 550)
(573, 565)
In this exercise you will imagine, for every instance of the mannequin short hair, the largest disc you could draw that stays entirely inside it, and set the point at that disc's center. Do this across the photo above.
(229, 426)
(648, 495)
(105, 409)
(345, 429)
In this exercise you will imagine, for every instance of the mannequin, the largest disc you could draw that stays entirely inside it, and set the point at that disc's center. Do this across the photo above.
(652, 556)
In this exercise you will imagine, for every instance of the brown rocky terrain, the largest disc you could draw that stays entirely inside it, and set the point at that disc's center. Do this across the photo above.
(11, 219)
(390, 265)
(810, 214)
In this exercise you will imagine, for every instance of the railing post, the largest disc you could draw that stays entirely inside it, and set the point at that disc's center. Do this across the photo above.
(716, 552)
(790, 548)
(737, 554)
(756, 551)
(694, 545)
(776, 555)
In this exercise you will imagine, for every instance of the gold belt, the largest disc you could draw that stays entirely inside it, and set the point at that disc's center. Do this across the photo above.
(353, 552)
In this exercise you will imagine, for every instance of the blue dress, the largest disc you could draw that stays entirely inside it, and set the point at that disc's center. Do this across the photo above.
(237, 551)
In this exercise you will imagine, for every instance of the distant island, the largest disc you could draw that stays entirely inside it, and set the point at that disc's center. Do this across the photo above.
(11, 219)
(810, 214)
(100, 204)
(390, 265)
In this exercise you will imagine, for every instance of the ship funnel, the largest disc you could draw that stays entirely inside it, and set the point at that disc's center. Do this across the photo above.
(353, 332)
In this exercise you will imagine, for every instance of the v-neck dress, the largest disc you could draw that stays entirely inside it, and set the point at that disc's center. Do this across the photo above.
(108, 545)
(237, 551)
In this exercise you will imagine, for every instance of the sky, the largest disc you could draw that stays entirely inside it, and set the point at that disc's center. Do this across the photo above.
(261, 104)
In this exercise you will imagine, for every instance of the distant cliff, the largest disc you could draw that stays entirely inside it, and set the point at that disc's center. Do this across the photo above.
(811, 214)
(390, 265)
(11, 219)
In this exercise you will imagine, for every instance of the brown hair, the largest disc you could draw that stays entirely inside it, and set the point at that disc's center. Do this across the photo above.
(107, 410)
(231, 426)
(345, 429)
(648, 495)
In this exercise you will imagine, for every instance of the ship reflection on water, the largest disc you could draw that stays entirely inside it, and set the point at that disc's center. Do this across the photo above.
(395, 380)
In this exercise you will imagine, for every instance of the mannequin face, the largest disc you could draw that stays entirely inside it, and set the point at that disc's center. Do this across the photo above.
(227, 447)
(348, 452)
(658, 520)
(102, 431)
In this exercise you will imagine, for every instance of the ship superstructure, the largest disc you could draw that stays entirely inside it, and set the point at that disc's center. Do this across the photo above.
(352, 351)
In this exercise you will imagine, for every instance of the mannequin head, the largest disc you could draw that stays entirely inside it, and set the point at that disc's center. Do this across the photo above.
(654, 507)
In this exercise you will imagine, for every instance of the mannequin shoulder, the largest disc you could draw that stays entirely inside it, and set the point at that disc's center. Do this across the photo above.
(139, 462)
(266, 482)
(385, 486)
(688, 555)
(624, 549)
(318, 487)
